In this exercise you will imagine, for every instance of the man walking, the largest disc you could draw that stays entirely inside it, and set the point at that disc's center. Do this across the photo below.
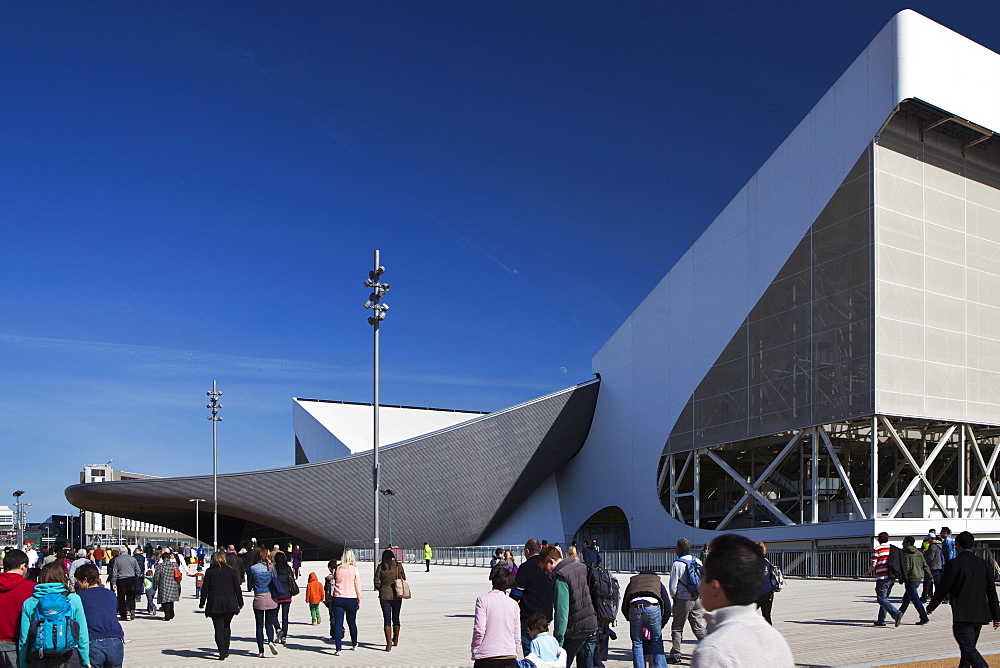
(969, 581)
(533, 591)
(948, 550)
(574, 622)
(14, 591)
(915, 570)
(883, 581)
(932, 555)
(685, 576)
(646, 606)
(737, 636)
(124, 579)
(591, 557)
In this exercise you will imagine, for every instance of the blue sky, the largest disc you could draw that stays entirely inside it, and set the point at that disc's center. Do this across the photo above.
(192, 191)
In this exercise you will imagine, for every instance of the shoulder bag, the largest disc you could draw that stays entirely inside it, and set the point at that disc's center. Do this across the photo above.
(401, 586)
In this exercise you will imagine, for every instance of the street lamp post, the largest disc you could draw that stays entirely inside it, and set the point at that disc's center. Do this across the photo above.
(19, 518)
(214, 404)
(388, 494)
(378, 315)
(197, 520)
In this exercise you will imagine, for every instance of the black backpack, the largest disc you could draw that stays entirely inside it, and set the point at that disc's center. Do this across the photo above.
(896, 564)
(604, 592)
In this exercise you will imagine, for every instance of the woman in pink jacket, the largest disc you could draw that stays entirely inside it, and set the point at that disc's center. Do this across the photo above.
(496, 631)
(345, 588)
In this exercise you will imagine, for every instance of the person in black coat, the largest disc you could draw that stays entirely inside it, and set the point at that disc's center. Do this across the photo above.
(222, 597)
(969, 581)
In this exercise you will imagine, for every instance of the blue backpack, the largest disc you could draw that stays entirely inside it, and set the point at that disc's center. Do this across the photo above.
(692, 575)
(52, 625)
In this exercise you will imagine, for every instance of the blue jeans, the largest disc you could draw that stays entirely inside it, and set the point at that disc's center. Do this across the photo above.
(911, 596)
(967, 635)
(339, 609)
(150, 603)
(581, 648)
(650, 617)
(267, 621)
(107, 653)
(882, 589)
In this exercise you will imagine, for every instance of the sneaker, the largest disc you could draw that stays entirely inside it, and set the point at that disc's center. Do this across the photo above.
(899, 618)
(879, 624)
(674, 659)
(354, 646)
(274, 650)
(261, 655)
(336, 653)
(922, 622)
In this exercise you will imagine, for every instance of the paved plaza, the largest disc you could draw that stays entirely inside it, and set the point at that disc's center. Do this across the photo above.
(827, 623)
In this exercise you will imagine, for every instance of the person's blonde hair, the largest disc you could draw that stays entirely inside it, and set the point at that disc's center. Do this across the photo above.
(573, 554)
(348, 558)
(763, 548)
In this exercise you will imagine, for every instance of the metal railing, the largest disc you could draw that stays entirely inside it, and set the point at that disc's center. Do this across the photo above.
(809, 562)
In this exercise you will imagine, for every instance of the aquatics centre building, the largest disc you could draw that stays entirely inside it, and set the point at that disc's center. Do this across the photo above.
(821, 365)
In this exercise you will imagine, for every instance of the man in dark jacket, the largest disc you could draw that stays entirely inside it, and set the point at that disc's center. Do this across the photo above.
(533, 592)
(574, 621)
(932, 554)
(969, 581)
(645, 604)
(14, 591)
(590, 555)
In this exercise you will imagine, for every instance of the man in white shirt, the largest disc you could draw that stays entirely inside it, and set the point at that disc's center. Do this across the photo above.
(738, 637)
(683, 588)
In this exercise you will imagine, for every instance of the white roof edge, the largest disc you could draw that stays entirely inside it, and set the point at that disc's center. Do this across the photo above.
(911, 57)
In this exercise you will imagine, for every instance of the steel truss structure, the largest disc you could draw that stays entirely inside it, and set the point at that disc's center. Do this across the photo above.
(826, 473)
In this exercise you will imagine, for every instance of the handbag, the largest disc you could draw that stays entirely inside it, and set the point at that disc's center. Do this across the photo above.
(401, 586)
(177, 576)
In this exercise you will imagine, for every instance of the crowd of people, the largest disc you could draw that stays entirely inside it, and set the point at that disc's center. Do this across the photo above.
(556, 610)
(948, 572)
(67, 609)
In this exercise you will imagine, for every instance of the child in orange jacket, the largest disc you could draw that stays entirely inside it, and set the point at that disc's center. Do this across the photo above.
(314, 596)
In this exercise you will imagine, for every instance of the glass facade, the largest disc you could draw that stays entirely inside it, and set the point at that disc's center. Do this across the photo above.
(804, 354)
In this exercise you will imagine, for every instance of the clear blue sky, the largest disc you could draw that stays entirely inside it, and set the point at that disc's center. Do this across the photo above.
(192, 191)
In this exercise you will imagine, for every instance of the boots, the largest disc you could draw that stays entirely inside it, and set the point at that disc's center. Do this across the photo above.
(388, 638)
(395, 635)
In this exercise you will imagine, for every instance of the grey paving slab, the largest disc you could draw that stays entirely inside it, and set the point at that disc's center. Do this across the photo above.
(827, 623)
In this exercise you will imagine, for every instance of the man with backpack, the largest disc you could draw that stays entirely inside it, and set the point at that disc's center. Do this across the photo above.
(14, 591)
(646, 606)
(574, 623)
(884, 578)
(685, 576)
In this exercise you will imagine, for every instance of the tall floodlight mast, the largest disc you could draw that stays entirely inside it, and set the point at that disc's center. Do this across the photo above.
(378, 315)
(214, 404)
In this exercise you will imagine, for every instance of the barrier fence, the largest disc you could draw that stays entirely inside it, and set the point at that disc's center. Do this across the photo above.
(816, 563)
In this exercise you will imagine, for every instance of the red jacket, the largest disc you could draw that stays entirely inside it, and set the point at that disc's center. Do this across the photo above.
(14, 590)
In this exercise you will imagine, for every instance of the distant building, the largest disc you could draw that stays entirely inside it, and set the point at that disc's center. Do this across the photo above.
(8, 532)
(111, 530)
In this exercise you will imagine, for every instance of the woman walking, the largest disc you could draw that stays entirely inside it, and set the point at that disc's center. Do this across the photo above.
(766, 598)
(388, 571)
(346, 600)
(166, 585)
(496, 631)
(265, 610)
(286, 580)
(222, 597)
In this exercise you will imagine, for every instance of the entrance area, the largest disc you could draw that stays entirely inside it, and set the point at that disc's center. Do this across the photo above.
(609, 527)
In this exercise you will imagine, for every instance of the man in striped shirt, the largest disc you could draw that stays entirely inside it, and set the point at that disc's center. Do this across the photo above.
(883, 581)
